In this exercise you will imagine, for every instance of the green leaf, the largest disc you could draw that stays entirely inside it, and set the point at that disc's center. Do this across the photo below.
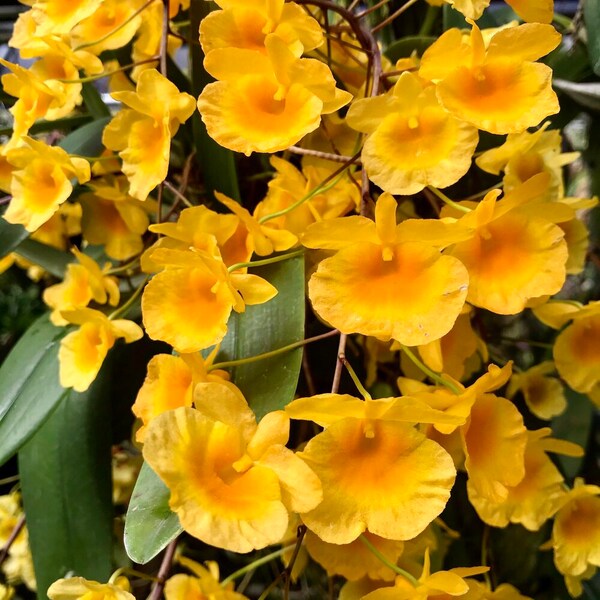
(67, 489)
(569, 61)
(29, 387)
(53, 260)
(87, 140)
(269, 384)
(591, 17)
(574, 425)
(405, 46)
(217, 163)
(93, 101)
(10, 236)
(150, 525)
(585, 94)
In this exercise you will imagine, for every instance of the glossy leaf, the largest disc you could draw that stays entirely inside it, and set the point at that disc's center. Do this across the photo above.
(93, 101)
(574, 425)
(87, 140)
(217, 163)
(404, 47)
(29, 387)
(269, 384)
(11, 236)
(585, 94)
(150, 525)
(591, 17)
(51, 259)
(67, 489)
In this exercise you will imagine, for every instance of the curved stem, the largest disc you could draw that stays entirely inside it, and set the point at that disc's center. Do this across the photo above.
(329, 182)
(123, 309)
(387, 562)
(255, 564)
(244, 361)
(266, 261)
(447, 200)
(431, 374)
(116, 29)
(359, 386)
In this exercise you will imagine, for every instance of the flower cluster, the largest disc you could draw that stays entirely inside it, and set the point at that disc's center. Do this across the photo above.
(411, 261)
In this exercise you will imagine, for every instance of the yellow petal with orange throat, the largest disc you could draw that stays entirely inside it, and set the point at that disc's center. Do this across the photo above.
(180, 307)
(494, 440)
(82, 353)
(392, 482)
(577, 354)
(216, 498)
(512, 259)
(248, 116)
(414, 298)
(168, 385)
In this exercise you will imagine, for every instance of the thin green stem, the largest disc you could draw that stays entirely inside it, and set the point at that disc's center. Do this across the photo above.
(359, 386)
(266, 261)
(255, 564)
(325, 185)
(123, 309)
(123, 268)
(447, 200)
(485, 541)
(429, 20)
(118, 28)
(244, 361)
(387, 562)
(431, 374)
(130, 572)
(109, 73)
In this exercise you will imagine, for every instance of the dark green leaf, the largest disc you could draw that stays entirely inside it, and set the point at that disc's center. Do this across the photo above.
(29, 387)
(216, 162)
(569, 61)
(405, 46)
(585, 94)
(53, 260)
(93, 101)
(269, 384)
(10, 236)
(150, 525)
(87, 140)
(67, 489)
(574, 425)
(591, 17)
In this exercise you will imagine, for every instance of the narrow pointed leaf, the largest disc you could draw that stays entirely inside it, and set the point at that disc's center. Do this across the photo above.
(67, 490)
(11, 236)
(51, 259)
(87, 140)
(29, 387)
(216, 162)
